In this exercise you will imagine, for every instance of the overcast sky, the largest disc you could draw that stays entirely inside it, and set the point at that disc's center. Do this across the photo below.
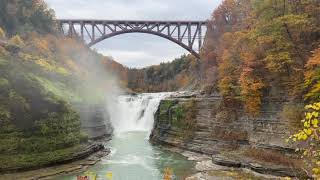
(134, 49)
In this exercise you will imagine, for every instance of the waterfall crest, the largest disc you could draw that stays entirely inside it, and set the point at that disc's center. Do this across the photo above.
(134, 113)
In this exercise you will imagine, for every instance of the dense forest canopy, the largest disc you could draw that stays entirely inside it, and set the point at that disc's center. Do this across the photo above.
(23, 16)
(253, 49)
(171, 76)
(263, 48)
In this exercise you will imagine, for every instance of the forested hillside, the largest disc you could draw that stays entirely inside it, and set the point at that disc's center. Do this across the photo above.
(253, 49)
(264, 50)
(261, 52)
(42, 75)
(181, 73)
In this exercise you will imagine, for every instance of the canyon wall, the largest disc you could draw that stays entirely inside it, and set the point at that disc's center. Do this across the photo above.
(206, 125)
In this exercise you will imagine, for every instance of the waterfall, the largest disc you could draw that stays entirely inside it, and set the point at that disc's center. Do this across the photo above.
(134, 113)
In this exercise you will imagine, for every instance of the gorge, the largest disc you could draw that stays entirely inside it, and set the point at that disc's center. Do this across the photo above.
(183, 124)
(200, 128)
(132, 156)
(246, 106)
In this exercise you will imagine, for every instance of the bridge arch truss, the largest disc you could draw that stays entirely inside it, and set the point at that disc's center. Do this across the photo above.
(187, 34)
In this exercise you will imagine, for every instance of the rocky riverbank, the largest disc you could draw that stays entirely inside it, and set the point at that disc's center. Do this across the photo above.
(207, 169)
(226, 136)
(89, 155)
(95, 124)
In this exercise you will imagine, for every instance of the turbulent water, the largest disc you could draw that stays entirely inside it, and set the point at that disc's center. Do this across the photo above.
(134, 113)
(132, 156)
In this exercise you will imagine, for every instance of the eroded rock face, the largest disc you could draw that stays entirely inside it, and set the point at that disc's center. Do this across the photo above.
(209, 126)
(209, 134)
(216, 127)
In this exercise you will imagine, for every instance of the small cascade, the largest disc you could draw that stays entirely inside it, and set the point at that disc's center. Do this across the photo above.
(134, 113)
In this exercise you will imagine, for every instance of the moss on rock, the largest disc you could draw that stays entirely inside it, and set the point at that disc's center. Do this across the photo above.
(180, 115)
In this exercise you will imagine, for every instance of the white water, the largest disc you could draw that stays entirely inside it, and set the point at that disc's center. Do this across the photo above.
(132, 156)
(134, 113)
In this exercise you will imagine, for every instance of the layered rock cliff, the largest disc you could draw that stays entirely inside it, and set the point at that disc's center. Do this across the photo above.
(207, 125)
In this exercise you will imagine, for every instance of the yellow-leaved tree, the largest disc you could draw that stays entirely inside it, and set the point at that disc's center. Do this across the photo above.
(17, 41)
(2, 34)
(309, 139)
(312, 77)
(3, 51)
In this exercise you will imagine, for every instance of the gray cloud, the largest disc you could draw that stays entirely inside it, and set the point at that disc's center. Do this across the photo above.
(136, 50)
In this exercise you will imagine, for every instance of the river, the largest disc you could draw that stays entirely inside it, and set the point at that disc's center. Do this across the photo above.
(132, 156)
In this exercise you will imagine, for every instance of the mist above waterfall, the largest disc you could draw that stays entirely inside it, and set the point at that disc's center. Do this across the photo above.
(134, 113)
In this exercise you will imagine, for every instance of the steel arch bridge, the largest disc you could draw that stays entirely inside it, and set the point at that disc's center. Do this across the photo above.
(187, 34)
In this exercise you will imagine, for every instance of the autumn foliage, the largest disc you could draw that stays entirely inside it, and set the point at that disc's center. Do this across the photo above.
(312, 77)
(262, 49)
(171, 76)
(270, 50)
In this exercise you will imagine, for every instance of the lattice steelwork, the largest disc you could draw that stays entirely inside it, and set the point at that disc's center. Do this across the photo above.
(187, 34)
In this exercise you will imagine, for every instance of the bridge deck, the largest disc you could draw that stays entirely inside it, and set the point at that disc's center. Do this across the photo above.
(187, 34)
(100, 21)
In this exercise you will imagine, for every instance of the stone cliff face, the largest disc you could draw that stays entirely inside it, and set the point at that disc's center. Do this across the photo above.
(206, 125)
(95, 121)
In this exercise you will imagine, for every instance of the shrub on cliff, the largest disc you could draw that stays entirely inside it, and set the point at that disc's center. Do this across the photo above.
(184, 117)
